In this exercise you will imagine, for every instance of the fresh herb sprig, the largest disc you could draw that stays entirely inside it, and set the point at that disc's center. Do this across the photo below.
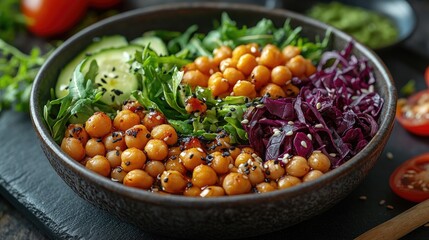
(17, 72)
(11, 19)
(80, 103)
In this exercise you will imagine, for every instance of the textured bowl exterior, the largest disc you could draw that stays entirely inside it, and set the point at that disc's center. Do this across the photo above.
(223, 217)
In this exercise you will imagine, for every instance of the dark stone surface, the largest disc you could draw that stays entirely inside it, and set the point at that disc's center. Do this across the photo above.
(30, 184)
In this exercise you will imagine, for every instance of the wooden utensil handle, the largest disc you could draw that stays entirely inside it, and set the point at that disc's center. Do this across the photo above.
(400, 225)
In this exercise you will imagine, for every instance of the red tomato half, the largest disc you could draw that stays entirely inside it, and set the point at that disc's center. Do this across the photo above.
(51, 17)
(411, 179)
(103, 3)
(413, 113)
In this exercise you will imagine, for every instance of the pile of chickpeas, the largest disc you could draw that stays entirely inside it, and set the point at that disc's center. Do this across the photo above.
(140, 149)
(250, 71)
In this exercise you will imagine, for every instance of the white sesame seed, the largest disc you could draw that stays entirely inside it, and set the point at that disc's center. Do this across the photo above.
(304, 144)
(182, 154)
(319, 125)
(290, 123)
(204, 192)
(245, 121)
(382, 202)
(276, 134)
(389, 207)
(230, 166)
(389, 155)
(318, 105)
(309, 136)
(158, 117)
(371, 88)
(245, 177)
(200, 150)
(260, 106)
(166, 138)
(289, 133)
(410, 186)
(254, 155)
(258, 159)
(196, 114)
(332, 154)
(363, 197)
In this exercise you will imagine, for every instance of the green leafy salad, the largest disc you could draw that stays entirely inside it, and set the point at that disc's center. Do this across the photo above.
(149, 69)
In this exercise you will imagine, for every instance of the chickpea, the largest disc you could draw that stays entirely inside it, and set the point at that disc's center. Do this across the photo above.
(273, 91)
(193, 157)
(254, 49)
(73, 147)
(99, 164)
(137, 136)
(226, 63)
(138, 178)
(236, 183)
(195, 78)
(118, 174)
(132, 158)
(244, 88)
(115, 140)
(95, 146)
(114, 157)
(192, 191)
(154, 168)
(297, 167)
(220, 163)
(281, 75)
(233, 75)
(271, 56)
(260, 76)
(310, 69)
(212, 191)
(134, 106)
(264, 187)
(234, 152)
(243, 158)
(189, 67)
(319, 161)
(221, 53)
(166, 133)
(246, 63)
(205, 65)
(312, 175)
(248, 150)
(175, 165)
(173, 151)
(290, 52)
(256, 174)
(218, 85)
(239, 51)
(98, 125)
(221, 143)
(152, 119)
(291, 90)
(125, 119)
(156, 150)
(173, 181)
(77, 131)
(203, 175)
(297, 66)
(273, 169)
(288, 181)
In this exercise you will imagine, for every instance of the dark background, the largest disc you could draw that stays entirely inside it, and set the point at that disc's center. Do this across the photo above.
(37, 204)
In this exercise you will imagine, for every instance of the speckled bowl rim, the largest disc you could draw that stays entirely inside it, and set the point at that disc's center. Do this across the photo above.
(198, 203)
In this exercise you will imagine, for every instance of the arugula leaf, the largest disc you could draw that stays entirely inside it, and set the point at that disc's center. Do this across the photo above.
(81, 102)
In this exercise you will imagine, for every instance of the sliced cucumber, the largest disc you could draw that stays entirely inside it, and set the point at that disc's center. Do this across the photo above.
(103, 43)
(115, 77)
(156, 44)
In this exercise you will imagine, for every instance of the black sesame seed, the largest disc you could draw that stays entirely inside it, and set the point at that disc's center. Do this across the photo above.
(113, 98)
(232, 109)
(117, 140)
(105, 76)
(267, 172)
(127, 163)
(117, 153)
(113, 69)
(191, 156)
(66, 88)
(189, 185)
(226, 154)
(148, 135)
(165, 180)
(99, 140)
(103, 81)
(119, 169)
(228, 114)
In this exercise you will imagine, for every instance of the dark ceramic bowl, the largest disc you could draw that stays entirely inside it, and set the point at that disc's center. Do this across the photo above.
(223, 217)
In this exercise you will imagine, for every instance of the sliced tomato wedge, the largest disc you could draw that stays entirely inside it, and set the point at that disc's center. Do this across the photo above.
(411, 179)
(413, 113)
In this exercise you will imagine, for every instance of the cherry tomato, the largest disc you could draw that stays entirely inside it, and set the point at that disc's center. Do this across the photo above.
(413, 113)
(51, 17)
(411, 179)
(103, 3)
(427, 76)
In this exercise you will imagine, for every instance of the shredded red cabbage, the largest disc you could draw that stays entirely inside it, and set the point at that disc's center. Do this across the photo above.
(335, 112)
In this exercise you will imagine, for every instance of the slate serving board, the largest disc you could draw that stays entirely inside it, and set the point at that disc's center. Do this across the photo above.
(30, 184)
